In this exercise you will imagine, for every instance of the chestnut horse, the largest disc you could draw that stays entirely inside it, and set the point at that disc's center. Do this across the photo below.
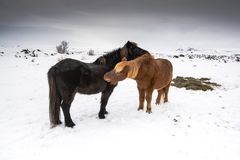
(149, 74)
(70, 76)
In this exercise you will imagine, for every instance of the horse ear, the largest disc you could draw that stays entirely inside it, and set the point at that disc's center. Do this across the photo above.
(134, 43)
(127, 44)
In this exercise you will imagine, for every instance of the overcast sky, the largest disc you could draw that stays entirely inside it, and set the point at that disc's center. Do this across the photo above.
(107, 24)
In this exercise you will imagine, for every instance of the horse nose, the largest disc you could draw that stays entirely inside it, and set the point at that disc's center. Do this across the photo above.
(107, 77)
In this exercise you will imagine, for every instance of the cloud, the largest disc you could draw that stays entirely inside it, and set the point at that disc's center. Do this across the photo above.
(225, 10)
(110, 22)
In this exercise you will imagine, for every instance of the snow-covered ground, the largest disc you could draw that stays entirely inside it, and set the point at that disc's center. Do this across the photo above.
(193, 125)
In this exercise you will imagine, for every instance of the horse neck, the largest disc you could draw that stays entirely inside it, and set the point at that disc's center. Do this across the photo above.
(137, 52)
(113, 58)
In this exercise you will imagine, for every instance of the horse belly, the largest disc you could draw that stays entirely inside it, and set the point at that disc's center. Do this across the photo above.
(92, 88)
(162, 80)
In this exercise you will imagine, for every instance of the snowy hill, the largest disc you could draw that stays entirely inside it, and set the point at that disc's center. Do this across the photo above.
(192, 125)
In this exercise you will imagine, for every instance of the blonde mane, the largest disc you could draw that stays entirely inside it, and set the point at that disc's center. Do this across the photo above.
(133, 65)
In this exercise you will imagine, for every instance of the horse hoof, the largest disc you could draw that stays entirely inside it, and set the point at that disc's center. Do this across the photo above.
(101, 116)
(71, 124)
(139, 109)
(54, 125)
(149, 111)
(105, 112)
(59, 122)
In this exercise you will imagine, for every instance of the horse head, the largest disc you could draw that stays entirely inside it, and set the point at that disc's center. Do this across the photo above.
(131, 51)
(119, 73)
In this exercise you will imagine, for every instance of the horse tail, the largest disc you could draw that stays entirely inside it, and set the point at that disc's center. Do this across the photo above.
(54, 98)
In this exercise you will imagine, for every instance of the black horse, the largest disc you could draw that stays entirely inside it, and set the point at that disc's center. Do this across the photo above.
(70, 76)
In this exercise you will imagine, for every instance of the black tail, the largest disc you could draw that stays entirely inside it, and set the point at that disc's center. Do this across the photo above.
(54, 98)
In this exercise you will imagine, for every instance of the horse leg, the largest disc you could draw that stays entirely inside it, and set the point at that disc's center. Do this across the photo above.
(149, 99)
(66, 104)
(141, 98)
(159, 97)
(166, 89)
(104, 100)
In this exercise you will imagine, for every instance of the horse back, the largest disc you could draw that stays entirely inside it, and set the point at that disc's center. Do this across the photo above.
(74, 75)
(165, 65)
(156, 73)
(164, 72)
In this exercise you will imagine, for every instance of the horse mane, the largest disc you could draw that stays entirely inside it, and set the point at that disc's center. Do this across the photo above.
(110, 58)
(133, 43)
(133, 65)
(113, 53)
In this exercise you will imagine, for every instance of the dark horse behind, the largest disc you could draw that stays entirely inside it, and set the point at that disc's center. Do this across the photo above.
(70, 76)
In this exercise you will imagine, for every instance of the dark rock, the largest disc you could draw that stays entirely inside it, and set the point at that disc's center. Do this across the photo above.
(175, 56)
(191, 50)
(237, 59)
(26, 51)
(190, 57)
(190, 83)
(181, 55)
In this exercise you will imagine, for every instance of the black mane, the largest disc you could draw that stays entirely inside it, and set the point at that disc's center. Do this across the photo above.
(111, 58)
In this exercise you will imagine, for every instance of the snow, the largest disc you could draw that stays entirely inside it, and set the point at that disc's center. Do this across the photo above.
(192, 125)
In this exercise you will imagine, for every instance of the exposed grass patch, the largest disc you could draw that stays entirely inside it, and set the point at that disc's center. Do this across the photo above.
(191, 83)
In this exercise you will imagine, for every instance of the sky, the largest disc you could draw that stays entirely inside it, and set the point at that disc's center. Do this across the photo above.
(108, 24)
